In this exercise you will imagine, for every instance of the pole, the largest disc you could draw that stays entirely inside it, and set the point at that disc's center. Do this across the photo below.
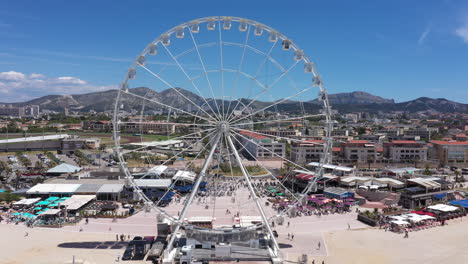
(193, 193)
(252, 192)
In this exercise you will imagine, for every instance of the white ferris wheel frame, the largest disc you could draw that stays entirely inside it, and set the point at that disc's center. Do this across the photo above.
(224, 125)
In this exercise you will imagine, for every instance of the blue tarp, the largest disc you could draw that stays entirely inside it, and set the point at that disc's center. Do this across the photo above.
(463, 203)
(185, 188)
(440, 196)
(168, 196)
(1, 190)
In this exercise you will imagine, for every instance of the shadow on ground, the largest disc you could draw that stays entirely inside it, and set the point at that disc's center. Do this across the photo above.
(95, 245)
(282, 245)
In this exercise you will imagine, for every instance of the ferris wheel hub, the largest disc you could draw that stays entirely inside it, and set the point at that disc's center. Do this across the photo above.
(223, 127)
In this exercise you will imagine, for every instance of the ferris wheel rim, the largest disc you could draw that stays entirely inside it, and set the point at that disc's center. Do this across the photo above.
(171, 31)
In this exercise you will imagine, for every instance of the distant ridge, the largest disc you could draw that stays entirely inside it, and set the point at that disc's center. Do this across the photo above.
(344, 102)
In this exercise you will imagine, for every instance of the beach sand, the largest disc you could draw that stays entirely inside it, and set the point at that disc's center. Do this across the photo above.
(447, 244)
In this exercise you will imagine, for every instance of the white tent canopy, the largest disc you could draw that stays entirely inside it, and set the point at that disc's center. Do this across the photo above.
(27, 201)
(77, 201)
(182, 175)
(50, 212)
(443, 207)
(53, 188)
(331, 166)
(64, 168)
(399, 222)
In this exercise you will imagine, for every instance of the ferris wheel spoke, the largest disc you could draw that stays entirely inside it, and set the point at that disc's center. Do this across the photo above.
(176, 138)
(271, 105)
(176, 90)
(285, 138)
(221, 68)
(185, 149)
(168, 106)
(273, 153)
(195, 188)
(241, 63)
(190, 79)
(270, 87)
(168, 123)
(268, 55)
(270, 173)
(252, 192)
(229, 155)
(205, 72)
(171, 187)
(276, 120)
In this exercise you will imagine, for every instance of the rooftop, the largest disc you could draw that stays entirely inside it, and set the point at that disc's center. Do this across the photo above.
(440, 142)
(29, 139)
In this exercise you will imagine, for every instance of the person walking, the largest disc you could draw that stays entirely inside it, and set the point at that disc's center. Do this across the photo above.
(289, 236)
(349, 227)
(117, 237)
(288, 223)
(406, 234)
(292, 237)
(318, 246)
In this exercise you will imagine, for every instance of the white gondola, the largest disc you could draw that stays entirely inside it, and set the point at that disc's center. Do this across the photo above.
(180, 33)
(195, 28)
(132, 74)
(258, 30)
(210, 25)
(273, 36)
(243, 25)
(317, 81)
(153, 49)
(298, 55)
(166, 40)
(141, 60)
(286, 44)
(227, 24)
(309, 67)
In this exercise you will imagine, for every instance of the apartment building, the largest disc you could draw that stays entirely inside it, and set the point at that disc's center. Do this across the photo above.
(261, 146)
(359, 151)
(453, 153)
(307, 151)
(405, 150)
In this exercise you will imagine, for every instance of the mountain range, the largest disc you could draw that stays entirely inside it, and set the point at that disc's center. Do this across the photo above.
(344, 102)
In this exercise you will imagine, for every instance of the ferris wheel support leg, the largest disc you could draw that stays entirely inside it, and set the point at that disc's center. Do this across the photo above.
(275, 251)
(194, 191)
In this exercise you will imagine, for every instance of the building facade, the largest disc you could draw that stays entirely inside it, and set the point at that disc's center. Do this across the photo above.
(405, 151)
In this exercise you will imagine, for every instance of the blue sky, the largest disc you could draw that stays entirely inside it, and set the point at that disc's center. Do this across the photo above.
(394, 49)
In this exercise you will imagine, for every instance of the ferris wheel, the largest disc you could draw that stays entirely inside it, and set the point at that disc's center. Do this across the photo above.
(219, 93)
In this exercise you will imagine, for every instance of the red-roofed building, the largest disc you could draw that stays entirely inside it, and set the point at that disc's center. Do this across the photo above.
(460, 137)
(307, 151)
(454, 153)
(261, 146)
(405, 151)
(359, 151)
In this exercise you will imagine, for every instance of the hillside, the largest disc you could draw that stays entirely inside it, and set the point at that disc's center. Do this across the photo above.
(178, 97)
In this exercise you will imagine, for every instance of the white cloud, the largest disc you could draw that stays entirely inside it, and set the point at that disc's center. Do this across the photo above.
(424, 35)
(70, 80)
(12, 76)
(36, 76)
(17, 86)
(462, 31)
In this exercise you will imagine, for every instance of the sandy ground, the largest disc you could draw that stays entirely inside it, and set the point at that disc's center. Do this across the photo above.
(447, 244)
(47, 246)
(340, 246)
